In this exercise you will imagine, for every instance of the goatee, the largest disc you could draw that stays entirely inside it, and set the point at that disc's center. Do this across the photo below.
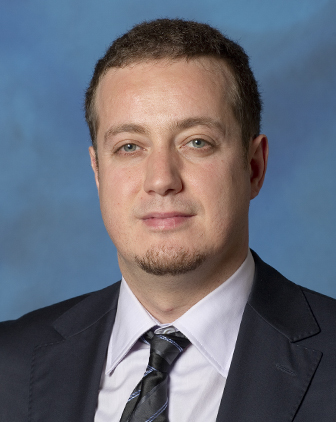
(169, 261)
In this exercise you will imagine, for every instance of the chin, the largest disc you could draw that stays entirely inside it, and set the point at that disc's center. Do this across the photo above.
(170, 261)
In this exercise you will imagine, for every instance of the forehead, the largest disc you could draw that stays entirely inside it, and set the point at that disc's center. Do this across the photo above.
(176, 89)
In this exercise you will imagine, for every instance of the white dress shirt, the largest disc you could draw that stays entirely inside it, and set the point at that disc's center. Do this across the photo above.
(198, 377)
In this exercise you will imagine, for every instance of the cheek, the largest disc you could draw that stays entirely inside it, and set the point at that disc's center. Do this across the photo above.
(119, 183)
(223, 189)
(212, 183)
(116, 190)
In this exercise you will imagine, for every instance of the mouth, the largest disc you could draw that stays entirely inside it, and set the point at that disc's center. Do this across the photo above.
(166, 220)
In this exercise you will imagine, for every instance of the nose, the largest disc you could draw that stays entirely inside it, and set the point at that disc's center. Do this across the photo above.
(163, 173)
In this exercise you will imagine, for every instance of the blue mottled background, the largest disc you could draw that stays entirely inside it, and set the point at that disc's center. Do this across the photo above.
(53, 242)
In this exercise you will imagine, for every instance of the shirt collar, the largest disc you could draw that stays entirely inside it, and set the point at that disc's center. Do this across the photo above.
(211, 325)
(131, 322)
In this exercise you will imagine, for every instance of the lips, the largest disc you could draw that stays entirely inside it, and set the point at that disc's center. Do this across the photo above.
(166, 220)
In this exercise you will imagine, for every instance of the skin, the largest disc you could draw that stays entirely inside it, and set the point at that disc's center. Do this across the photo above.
(173, 179)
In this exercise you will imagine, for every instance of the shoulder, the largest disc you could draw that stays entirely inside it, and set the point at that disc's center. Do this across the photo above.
(36, 327)
(34, 323)
(52, 325)
(284, 302)
(318, 300)
(18, 339)
(273, 282)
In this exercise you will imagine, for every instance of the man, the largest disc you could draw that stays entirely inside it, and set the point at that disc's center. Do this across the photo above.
(174, 114)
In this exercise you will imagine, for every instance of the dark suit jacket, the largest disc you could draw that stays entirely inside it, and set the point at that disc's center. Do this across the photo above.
(283, 368)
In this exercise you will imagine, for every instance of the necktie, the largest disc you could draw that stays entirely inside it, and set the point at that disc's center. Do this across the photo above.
(149, 400)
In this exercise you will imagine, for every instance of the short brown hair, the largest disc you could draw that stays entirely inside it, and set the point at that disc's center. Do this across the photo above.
(178, 39)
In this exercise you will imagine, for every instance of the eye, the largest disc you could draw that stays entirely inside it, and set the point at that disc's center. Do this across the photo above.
(129, 147)
(199, 143)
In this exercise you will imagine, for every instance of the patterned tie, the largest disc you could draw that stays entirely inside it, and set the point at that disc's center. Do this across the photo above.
(149, 400)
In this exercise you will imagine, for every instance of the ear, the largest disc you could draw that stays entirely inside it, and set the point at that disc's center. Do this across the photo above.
(258, 155)
(94, 165)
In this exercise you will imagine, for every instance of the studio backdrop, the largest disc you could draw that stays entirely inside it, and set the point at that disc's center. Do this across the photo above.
(53, 244)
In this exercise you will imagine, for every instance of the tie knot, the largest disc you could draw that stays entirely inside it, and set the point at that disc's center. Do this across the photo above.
(165, 348)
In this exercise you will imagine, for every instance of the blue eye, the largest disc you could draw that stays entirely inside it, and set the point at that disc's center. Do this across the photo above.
(129, 147)
(198, 143)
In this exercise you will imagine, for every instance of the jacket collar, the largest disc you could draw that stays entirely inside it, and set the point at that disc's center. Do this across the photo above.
(281, 303)
(87, 312)
(66, 375)
(270, 370)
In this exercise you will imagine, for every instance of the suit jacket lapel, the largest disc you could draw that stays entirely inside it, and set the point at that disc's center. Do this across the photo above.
(65, 375)
(270, 370)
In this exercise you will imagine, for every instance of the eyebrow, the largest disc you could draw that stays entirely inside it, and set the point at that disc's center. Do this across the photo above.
(127, 127)
(180, 124)
(199, 121)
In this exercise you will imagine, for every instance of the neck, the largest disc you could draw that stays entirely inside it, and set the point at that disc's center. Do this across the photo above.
(167, 298)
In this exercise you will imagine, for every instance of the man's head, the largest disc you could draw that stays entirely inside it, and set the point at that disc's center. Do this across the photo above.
(174, 177)
(174, 39)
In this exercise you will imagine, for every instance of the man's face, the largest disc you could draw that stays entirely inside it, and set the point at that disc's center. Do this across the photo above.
(173, 182)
